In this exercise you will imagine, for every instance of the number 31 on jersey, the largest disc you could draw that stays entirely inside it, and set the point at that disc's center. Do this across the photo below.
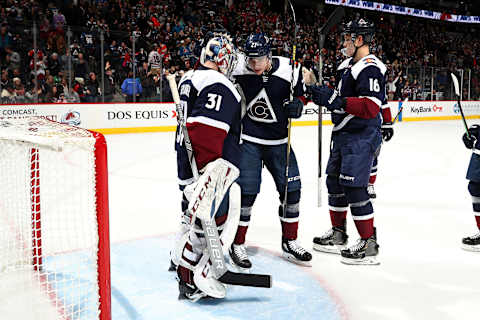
(214, 101)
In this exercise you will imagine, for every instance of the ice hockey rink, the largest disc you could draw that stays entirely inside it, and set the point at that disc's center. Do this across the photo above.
(422, 211)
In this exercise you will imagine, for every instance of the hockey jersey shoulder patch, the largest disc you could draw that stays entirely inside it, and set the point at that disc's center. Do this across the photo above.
(204, 78)
(368, 61)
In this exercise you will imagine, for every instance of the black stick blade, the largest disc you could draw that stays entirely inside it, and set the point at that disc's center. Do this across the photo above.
(246, 279)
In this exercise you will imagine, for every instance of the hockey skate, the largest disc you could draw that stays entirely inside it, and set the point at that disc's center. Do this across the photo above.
(189, 292)
(371, 191)
(239, 258)
(293, 252)
(364, 252)
(333, 241)
(471, 243)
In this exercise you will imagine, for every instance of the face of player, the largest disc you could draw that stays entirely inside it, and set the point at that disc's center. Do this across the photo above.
(258, 65)
(348, 45)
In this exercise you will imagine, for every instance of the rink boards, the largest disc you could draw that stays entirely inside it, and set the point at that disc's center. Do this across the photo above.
(113, 118)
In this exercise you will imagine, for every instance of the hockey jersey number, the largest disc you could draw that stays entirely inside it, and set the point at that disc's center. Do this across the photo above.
(214, 101)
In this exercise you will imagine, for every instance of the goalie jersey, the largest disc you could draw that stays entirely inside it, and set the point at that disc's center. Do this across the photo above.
(212, 112)
(364, 79)
(266, 121)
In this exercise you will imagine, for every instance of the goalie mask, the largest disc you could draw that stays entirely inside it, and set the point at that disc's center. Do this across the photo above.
(220, 50)
(352, 30)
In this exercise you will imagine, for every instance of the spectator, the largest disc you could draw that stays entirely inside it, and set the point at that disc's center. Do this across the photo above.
(19, 90)
(81, 69)
(109, 83)
(8, 95)
(92, 88)
(131, 88)
(146, 79)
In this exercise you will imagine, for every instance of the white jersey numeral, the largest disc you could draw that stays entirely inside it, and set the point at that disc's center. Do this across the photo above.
(214, 101)
(374, 86)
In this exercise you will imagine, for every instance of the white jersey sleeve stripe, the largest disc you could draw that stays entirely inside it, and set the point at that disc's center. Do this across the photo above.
(210, 122)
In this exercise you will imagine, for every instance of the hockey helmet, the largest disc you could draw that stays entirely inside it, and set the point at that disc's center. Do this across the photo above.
(360, 27)
(257, 45)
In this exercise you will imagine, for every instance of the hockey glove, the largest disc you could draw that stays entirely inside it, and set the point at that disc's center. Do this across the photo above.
(325, 96)
(294, 108)
(473, 132)
(387, 131)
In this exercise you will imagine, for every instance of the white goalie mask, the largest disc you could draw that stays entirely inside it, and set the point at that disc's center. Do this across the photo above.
(222, 52)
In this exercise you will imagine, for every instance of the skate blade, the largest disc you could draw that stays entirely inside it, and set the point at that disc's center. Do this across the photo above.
(237, 268)
(364, 261)
(292, 259)
(328, 249)
(471, 248)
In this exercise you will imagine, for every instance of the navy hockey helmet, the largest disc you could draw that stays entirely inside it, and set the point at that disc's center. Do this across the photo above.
(360, 27)
(257, 45)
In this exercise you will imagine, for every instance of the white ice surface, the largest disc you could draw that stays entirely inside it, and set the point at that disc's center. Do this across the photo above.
(422, 211)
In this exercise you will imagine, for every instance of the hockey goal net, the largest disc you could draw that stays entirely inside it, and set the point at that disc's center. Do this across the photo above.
(54, 234)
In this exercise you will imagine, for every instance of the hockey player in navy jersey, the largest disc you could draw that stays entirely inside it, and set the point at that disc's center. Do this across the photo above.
(387, 134)
(265, 83)
(211, 105)
(471, 141)
(356, 137)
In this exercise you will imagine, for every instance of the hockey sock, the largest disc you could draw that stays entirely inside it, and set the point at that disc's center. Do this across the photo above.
(338, 218)
(362, 210)
(337, 203)
(245, 213)
(289, 219)
(474, 189)
(185, 274)
(373, 172)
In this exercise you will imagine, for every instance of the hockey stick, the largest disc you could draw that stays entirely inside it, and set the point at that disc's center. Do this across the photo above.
(212, 238)
(399, 111)
(457, 93)
(332, 20)
(289, 135)
(182, 124)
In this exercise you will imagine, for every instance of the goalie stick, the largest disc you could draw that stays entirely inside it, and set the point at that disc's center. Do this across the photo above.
(212, 238)
(457, 93)
(332, 21)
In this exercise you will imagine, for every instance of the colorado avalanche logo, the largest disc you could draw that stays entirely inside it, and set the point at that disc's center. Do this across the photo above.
(71, 118)
(260, 109)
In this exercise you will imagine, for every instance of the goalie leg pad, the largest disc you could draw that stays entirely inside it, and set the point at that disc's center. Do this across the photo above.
(204, 279)
(211, 188)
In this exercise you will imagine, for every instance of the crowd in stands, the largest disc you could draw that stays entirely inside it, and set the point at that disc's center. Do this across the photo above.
(165, 33)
